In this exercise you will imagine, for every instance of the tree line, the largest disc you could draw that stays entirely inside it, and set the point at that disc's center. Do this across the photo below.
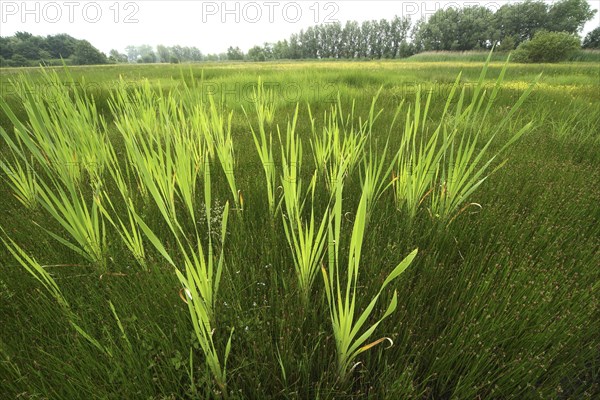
(24, 49)
(449, 29)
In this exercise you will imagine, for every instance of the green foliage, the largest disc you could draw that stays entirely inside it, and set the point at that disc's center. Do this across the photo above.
(341, 285)
(235, 53)
(570, 15)
(592, 39)
(507, 43)
(521, 20)
(547, 47)
(457, 30)
(509, 270)
(477, 27)
(86, 54)
(25, 49)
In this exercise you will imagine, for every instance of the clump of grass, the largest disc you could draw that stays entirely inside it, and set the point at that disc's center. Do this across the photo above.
(418, 159)
(340, 146)
(21, 177)
(305, 237)
(64, 132)
(346, 322)
(449, 166)
(465, 163)
(264, 107)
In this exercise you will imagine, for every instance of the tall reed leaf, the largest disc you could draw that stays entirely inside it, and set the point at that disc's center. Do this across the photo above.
(341, 291)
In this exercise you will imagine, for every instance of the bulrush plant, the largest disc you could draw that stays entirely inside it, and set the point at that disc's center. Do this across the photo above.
(64, 132)
(341, 284)
(418, 159)
(220, 131)
(264, 107)
(128, 229)
(376, 168)
(466, 162)
(199, 274)
(79, 216)
(22, 179)
(447, 166)
(63, 138)
(306, 238)
(340, 146)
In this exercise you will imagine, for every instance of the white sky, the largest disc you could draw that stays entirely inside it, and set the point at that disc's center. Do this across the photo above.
(212, 26)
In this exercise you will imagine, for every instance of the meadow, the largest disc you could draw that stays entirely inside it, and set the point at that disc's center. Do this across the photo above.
(419, 229)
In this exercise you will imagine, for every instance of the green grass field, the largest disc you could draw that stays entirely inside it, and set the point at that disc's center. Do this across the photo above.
(238, 231)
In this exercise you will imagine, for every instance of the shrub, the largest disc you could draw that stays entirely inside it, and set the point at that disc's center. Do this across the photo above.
(547, 47)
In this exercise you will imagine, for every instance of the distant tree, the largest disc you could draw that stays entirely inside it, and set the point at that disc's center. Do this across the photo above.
(521, 20)
(6, 47)
(115, 57)
(310, 43)
(132, 53)
(148, 58)
(61, 45)
(177, 52)
(146, 51)
(257, 53)
(235, 53)
(458, 29)
(363, 45)
(592, 40)
(281, 50)
(86, 54)
(295, 47)
(399, 29)
(24, 36)
(196, 54)
(507, 44)
(569, 16)
(406, 50)
(28, 48)
(163, 53)
(17, 60)
(350, 40)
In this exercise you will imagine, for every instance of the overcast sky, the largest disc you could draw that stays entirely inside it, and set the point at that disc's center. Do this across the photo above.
(212, 26)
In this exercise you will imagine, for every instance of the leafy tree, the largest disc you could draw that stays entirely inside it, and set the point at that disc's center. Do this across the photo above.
(17, 60)
(235, 53)
(295, 47)
(521, 20)
(399, 28)
(257, 53)
(458, 29)
(61, 45)
(310, 42)
(569, 16)
(592, 40)
(86, 54)
(350, 40)
(507, 44)
(281, 50)
(148, 58)
(6, 47)
(132, 53)
(196, 54)
(547, 47)
(115, 57)
(28, 48)
(24, 36)
(163, 53)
